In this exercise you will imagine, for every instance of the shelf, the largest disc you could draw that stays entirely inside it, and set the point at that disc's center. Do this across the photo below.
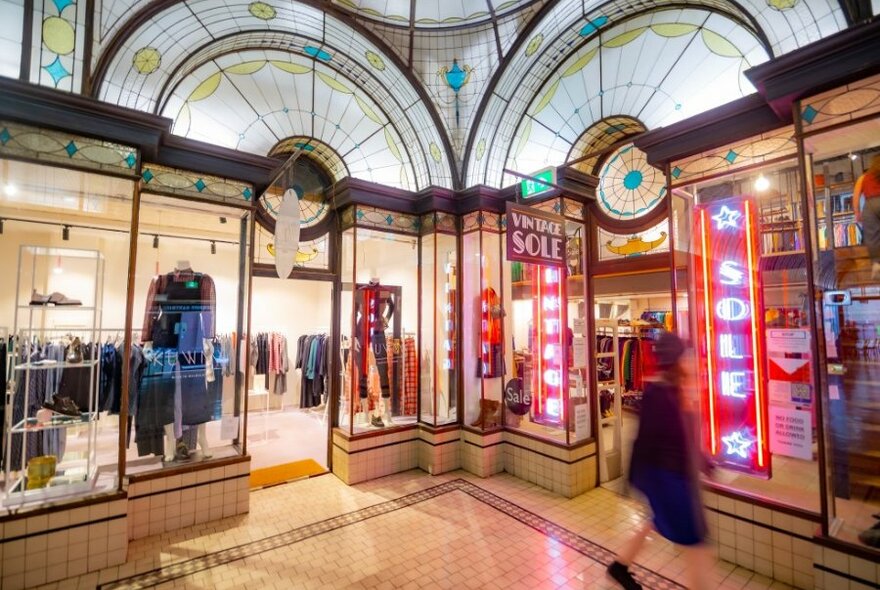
(57, 308)
(24, 427)
(786, 253)
(17, 496)
(50, 366)
(603, 355)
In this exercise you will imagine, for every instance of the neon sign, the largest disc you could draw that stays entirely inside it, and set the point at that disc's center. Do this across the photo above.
(730, 328)
(550, 375)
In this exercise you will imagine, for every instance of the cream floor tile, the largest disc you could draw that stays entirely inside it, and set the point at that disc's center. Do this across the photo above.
(410, 530)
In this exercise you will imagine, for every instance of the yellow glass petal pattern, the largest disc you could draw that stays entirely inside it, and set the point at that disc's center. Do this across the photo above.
(368, 110)
(625, 38)
(392, 145)
(206, 88)
(548, 96)
(524, 138)
(248, 67)
(580, 64)
(673, 29)
(334, 83)
(719, 45)
(291, 68)
(58, 35)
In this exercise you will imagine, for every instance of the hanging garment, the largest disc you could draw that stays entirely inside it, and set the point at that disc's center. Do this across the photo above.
(411, 377)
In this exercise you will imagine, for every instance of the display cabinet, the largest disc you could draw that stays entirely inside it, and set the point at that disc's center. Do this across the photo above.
(54, 372)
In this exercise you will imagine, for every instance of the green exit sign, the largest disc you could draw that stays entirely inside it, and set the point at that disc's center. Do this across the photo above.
(541, 182)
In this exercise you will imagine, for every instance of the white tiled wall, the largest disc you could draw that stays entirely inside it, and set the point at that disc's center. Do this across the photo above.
(67, 542)
(169, 503)
(439, 452)
(482, 454)
(848, 571)
(772, 543)
(569, 472)
(363, 459)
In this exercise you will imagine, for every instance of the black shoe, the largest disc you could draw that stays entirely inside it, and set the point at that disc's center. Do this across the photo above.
(181, 453)
(377, 422)
(620, 574)
(63, 405)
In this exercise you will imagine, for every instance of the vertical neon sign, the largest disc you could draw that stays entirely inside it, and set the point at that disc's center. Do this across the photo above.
(550, 374)
(730, 324)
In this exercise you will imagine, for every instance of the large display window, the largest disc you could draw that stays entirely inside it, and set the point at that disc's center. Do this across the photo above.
(439, 366)
(484, 309)
(190, 356)
(379, 330)
(64, 253)
(843, 172)
(741, 287)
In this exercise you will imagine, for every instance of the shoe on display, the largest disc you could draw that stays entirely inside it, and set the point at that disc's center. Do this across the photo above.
(63, 405)
(62, 299)
(620, 574)
(377, 422)
(38, 299)
(75, 352)
(181, 453)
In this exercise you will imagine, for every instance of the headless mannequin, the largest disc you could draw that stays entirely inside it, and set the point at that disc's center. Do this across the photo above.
(208, 349)
(374, 316)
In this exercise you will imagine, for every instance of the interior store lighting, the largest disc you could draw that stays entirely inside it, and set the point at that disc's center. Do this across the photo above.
(1, 226)
(58, 269)
(762, 184)
(10, 190)
(156, 241)
(853, 156)
(65, 233)
(213, 247)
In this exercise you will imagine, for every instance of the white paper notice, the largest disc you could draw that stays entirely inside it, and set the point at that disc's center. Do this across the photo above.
(580, 326)
(791, 432)
(582, 421)
(788, 341)
(229, 428)
(580, 353)
(780, 392)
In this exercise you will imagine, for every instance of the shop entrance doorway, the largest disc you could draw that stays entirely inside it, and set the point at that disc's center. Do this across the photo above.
(288, 394)
(630, 312)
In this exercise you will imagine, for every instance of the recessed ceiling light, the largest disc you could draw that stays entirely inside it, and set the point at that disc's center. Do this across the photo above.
(10, 190)
(762, 184)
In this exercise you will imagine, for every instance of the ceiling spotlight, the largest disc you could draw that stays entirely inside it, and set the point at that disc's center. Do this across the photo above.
(10, 190)
(853, 157)
(762, 184)
(156, 241)
(222, 220)
(65, 233)
(1, 225)
(213, 247)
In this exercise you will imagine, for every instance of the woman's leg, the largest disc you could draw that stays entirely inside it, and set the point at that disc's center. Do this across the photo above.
(632, 547)
(700, 565)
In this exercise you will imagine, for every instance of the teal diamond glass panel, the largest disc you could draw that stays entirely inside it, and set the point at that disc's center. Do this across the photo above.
(731, 156)
(809, 114)
(131, 160)
(57, 70)
(4, 136)
(71, 149)
(200, 185)
(147, 176)
(360, 214)
(247, 194)
(676, 172)
(389, 220)
(62, 4)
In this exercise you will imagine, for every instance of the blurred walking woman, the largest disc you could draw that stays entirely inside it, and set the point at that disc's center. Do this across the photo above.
(664, 467)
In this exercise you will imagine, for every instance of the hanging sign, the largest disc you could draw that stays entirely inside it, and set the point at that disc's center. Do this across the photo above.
(287, 234)
(541, 182)
(550, 339)
(730, 335)
(534, 236)
(516, 398)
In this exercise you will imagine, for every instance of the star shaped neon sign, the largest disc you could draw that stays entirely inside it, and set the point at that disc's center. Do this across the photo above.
(727, 217)
(737, 444)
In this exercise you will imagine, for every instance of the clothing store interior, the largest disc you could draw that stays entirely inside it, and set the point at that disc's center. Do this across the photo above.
(64, 253)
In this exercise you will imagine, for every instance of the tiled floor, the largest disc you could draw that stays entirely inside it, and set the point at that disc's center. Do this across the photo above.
(409, 530)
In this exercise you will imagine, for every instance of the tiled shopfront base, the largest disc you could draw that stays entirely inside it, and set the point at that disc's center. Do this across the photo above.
(566, 471)
(482, 453)
(377, 455)
(439, 449)
(48, 546)
(160, 502)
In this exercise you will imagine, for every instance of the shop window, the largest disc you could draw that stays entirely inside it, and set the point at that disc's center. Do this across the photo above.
(188, 322)
(379, 327)
(742, 297)
(486, 311)
(544, 334)
(846, 265)
(651, 241)
(64, 248)
(439, 363)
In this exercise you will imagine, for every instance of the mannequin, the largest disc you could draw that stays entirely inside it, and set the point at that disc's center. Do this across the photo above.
(178, 341)
(373, 313)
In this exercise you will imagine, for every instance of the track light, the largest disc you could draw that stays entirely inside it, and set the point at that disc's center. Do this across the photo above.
(156, 241)
(1, 225)
(222, 220)
(853, 157)
(65, 233)
(213, 247)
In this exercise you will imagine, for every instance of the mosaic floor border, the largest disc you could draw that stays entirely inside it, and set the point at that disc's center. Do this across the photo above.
(648, 578)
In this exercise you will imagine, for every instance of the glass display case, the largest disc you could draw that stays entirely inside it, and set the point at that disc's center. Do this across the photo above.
(379, 330)
(484, 309)
(440, 364)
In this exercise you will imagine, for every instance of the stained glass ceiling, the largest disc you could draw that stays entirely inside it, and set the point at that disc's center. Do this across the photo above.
(413, 94)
